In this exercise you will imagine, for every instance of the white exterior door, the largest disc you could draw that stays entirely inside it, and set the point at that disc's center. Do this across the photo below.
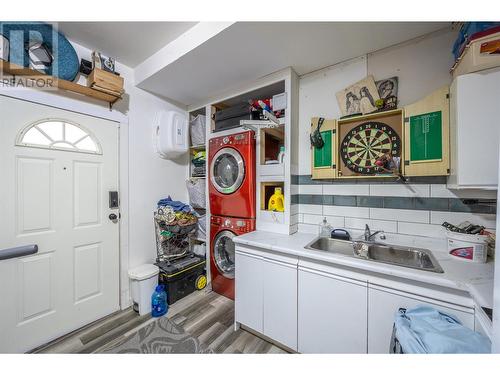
(54, 184)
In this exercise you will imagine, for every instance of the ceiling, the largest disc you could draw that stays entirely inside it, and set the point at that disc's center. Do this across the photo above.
(246, 51)
(129, 42)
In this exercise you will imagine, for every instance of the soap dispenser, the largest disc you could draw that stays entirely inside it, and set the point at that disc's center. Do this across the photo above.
(325, 229)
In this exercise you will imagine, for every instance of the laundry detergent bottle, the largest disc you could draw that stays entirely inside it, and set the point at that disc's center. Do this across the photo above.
(159, 305)
(277, 201)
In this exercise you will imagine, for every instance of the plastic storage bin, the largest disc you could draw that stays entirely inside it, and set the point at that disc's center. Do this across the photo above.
(469, 247)
(143, 280)
(182, 277)
(479, 54)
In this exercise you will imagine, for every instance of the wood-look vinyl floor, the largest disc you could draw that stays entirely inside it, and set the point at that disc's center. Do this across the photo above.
(204, 314)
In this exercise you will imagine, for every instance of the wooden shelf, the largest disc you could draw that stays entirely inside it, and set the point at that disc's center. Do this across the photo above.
(16, 70)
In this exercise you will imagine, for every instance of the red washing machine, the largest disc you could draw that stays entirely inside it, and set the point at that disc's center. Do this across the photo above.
(232, 175)
(222, 231)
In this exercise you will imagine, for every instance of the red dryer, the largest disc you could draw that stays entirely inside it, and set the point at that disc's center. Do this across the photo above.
(222, 254)
(232, 175)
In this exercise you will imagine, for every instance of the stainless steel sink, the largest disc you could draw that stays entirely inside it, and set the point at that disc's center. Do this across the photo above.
(331, 245)
(403, 256)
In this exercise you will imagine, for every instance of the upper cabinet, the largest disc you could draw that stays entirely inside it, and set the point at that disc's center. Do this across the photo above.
(474, 131)
(426, 148)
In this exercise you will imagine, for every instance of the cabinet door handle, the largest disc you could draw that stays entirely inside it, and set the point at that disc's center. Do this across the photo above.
(332, 276)
(15, 252)
(249, 255)
(284, 264)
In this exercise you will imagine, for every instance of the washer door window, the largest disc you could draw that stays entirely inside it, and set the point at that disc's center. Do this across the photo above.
(224, 253)
(227, 170)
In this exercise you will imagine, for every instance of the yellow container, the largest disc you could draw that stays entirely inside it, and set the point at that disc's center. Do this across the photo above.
(277, 201)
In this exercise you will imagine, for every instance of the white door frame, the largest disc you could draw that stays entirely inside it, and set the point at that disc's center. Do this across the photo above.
(95, 109)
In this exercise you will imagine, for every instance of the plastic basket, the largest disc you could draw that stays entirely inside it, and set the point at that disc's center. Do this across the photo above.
(197, 126)
(196, 191)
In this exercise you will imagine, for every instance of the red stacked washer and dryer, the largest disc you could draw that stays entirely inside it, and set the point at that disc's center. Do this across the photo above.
(232, 203)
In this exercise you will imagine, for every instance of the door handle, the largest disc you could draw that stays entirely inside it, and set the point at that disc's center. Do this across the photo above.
(15, 252)
(112, 217)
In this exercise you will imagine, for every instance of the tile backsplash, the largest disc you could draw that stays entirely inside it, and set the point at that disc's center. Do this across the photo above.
(418, 207)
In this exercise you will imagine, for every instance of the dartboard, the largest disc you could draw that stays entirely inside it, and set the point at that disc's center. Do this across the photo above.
(367, 142)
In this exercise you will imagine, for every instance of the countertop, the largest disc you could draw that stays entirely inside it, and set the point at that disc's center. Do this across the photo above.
(475, 278)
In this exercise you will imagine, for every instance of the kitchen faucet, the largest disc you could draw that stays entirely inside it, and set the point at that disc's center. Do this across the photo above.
(369, 235)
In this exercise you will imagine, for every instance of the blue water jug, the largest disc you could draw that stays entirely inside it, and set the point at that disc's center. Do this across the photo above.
(159, 305)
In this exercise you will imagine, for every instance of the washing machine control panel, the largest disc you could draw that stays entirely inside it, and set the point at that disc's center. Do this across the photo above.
(238, 225)
(235, 139)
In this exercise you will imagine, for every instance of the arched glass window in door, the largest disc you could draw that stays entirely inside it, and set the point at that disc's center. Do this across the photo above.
(59, 135)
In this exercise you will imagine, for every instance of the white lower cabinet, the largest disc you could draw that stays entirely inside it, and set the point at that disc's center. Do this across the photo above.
(383, 304)
(266, 294)
(331, 313)
(249, 291)
(280, 301)
(318, 308)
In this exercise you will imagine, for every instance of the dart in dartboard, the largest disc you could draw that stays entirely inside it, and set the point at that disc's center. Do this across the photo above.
(371, 148)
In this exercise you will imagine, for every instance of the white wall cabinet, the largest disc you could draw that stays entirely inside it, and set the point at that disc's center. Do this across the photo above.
(332, 313)
(383, 304)
(474, 131)
(266, 294)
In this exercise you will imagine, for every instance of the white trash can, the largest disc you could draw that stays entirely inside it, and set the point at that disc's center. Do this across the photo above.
(143, 280)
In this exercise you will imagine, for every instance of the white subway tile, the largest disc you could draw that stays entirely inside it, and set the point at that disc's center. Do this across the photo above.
(386, 226)
(486, 220)
(310, 209)
(413, 216)
(294, 189)
(363, 212)
(347, 189)
(441, 191)
(311, 189)
(301, 218)
(294, 209)
(335, 221)
(294, 219)
(308, 228)
(418, 229)
(401, 190)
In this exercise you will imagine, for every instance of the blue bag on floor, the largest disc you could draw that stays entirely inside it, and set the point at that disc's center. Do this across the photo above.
(427, 330)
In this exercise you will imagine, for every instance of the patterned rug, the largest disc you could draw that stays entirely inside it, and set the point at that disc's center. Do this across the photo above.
(160, 337)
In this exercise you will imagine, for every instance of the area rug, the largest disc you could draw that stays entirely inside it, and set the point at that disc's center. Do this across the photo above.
(160, 337)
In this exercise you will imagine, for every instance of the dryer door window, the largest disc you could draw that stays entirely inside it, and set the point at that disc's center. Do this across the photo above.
(227, 171)
(224, 253)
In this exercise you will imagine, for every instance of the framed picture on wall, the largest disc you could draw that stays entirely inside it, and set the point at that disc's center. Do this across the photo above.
(358, 98)
(388, 92)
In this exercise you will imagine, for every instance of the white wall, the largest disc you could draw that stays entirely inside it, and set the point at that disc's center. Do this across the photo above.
(150, 178)
(317, 99)
(422, 66)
